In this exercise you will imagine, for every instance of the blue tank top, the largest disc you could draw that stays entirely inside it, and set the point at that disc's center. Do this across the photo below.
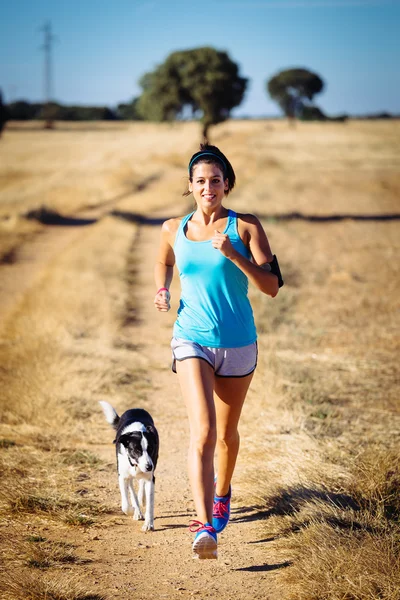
(214, 309)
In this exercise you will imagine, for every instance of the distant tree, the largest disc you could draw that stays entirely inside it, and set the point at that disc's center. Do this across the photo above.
(128, 111)
(85, 113)
(203, 81)
(21, 110)
(312, 113)
(3, 114)
(293, 90)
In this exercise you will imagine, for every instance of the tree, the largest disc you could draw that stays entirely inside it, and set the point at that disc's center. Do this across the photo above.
(21, 110)
(128, 111)
(203, 80)
(312, 113)
(293, 90)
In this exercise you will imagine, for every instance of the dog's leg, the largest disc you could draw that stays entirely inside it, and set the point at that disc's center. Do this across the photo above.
(149, 515)
(141, 498)
(137, 514)
(124, 487)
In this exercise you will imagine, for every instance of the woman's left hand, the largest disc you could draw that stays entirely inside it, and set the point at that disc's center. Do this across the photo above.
(221, 242)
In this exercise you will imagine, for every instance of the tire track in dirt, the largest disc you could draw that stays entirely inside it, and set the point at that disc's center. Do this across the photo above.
(31, 258)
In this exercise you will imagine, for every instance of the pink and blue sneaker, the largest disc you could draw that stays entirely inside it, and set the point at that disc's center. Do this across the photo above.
(205, 541)
(221, 511)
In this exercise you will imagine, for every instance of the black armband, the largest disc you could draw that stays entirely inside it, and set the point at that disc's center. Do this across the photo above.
(276, 270)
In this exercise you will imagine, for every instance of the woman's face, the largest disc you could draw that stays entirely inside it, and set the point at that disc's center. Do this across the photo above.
(208, 185)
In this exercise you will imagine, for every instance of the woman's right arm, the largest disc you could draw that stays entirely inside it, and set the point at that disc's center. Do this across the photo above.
(164, 267)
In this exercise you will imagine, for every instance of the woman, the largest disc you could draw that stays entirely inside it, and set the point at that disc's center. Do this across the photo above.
(214, 338)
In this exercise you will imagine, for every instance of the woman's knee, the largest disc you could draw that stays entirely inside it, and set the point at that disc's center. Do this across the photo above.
(204, 438)
(228, 438)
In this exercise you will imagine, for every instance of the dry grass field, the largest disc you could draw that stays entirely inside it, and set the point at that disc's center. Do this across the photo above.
(316, 503)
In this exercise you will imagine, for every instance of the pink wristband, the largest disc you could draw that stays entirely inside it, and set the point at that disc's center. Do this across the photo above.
(163, 289)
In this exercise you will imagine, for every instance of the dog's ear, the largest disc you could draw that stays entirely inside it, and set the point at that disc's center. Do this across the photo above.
(124, 439)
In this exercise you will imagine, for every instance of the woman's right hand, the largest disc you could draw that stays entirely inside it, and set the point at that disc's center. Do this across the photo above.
(161, 301)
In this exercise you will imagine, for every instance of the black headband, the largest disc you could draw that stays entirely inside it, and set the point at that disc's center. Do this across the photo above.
(206, 152)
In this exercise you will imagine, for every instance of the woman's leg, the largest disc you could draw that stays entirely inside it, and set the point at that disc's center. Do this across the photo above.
(230, 394)
(196, 378)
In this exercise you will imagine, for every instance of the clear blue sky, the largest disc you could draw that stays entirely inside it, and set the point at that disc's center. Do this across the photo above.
(103, 47)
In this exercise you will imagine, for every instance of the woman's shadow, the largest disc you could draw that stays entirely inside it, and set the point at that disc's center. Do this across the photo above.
(288, 502)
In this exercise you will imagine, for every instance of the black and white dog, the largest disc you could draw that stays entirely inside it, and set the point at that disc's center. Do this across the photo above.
(137, 453)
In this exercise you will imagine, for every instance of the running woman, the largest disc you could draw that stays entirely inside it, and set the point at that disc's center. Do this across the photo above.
(214, 346)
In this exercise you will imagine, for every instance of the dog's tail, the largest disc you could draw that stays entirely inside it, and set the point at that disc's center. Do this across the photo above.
(110, 413)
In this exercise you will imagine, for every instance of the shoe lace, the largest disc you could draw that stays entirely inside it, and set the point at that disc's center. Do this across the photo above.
(195, 526)
(220, 510)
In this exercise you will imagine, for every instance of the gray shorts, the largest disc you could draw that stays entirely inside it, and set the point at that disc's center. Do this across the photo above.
(226, 362)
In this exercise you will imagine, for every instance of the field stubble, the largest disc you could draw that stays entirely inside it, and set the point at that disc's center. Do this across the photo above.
(320, 476)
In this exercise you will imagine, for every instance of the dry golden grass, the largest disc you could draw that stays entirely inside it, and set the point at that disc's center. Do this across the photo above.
(323, 470)
(334, 346)
(57, 353)
(342, 538)
(81, 169)
(334, 564)
(40, 474)
(27, 586)
(38, 552)
(46, 489)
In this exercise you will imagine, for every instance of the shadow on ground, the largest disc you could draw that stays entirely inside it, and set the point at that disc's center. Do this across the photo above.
(288, 502)
(139, 218)
(266, 567)
(296, 216)
(48, 216)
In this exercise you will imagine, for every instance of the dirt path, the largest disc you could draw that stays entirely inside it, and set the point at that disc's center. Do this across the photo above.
(159, 565)
(162, 560)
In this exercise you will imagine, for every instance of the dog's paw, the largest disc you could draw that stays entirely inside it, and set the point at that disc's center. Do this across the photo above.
(137, 515)
(148, 527)
(127, 509)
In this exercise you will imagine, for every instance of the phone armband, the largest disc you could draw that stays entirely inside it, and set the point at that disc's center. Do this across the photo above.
(276, 270)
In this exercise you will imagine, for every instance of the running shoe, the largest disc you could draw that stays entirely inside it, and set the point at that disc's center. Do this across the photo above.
(221, 511)
(205, 541)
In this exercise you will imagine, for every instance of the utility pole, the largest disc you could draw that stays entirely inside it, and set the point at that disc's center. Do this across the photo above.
(48, 74)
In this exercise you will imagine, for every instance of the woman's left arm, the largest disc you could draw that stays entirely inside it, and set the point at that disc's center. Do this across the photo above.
(255, 238)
